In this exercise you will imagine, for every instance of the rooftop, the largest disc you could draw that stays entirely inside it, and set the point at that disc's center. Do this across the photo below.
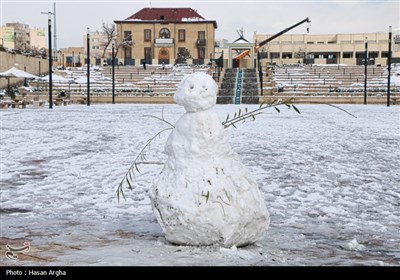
(167, 15)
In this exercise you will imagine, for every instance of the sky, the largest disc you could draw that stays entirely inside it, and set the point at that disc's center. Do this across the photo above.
(262, 17)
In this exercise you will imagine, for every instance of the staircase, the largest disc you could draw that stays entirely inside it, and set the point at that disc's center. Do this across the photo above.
(250, 87)
(226, 93)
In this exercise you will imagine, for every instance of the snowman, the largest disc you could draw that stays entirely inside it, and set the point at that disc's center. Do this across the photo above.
(204, 195)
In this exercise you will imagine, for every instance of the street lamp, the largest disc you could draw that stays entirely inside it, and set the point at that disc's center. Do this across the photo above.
(113, 73)
(88, 67)
(260, 74)
(389, 65)
(50, 63)
(365, 70)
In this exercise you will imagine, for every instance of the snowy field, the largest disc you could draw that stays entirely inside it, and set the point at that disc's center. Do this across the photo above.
(330, 183)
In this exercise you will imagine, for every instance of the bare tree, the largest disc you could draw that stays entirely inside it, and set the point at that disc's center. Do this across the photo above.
(111, 32)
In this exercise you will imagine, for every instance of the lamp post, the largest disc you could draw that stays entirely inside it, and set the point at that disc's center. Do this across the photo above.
(73, 59)
(389, 65)
(113, 73)
(88, 67)
(50, 68)
(260, 74)
(50, 63)
(365, 70)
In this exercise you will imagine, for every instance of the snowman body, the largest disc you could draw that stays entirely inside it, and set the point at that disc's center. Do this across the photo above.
(204, 195)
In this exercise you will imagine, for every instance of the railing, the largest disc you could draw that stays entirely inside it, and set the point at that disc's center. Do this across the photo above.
(201, 42)
(164, 41)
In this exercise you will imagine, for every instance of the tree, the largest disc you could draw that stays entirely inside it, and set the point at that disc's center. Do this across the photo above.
(111, 32)
(182, 56)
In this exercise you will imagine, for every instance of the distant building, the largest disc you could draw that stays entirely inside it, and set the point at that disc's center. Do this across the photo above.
(20, 36)
(98, 41)
(163, 35)
(329, 49)
(221, 48)
(72, 56)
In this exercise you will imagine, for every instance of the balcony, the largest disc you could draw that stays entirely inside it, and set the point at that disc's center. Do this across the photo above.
(164, 42)
(201, 42)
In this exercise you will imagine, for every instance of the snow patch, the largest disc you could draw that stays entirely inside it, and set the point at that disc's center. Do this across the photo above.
(353, 245)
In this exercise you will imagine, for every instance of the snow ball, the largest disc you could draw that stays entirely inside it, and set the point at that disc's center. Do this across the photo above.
(197, 92)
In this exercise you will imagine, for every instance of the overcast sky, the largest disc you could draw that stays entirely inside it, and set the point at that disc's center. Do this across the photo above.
(262, 17)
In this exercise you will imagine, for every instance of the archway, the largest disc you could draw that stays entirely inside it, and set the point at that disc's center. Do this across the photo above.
(164, 33)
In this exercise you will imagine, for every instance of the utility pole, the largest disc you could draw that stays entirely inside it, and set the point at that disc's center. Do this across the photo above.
(55, 32)
(389, 65)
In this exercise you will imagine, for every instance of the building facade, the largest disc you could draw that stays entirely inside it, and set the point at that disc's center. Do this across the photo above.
(19, 36)
(72, 57)
(165, 35)
(100, 52)
(329, 49)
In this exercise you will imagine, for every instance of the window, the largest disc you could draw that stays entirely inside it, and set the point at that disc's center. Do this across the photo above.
(127, 36)
(347, 55)
(275, 55)
(181, 35)
(147, 35)
(147, 53)
(201, 35)
(128, 53)
(202, 53)
(286, 55)
(164, 33)
(162, 17)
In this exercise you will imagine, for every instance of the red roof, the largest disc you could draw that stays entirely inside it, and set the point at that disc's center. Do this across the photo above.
(167, 14)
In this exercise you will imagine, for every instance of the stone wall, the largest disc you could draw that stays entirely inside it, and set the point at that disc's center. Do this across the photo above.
(22, 62)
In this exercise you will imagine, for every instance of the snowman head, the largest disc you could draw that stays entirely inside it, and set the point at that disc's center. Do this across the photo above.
(196, 92)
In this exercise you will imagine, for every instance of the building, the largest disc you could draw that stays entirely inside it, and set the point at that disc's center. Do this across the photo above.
(165, 35)
(100, 52)
(329, 49)
(72, 57)
(19, 36)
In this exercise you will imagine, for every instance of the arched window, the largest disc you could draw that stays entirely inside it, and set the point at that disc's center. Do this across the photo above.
(164, 33)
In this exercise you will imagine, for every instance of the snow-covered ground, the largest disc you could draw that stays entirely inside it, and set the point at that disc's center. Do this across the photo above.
(330, 183)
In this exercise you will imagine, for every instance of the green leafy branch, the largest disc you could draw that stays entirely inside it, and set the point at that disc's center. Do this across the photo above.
(240, 116)
(245, 114)
(130, 175)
